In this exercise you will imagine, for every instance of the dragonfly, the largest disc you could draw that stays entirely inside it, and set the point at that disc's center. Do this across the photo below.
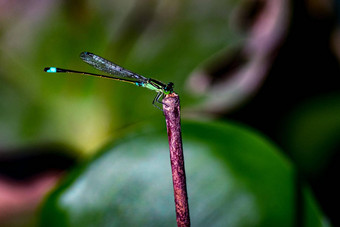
(120, 74)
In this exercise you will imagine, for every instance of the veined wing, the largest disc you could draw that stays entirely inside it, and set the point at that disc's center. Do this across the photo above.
(109, 67)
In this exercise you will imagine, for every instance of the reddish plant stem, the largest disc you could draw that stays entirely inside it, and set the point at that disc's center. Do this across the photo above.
(171, 109)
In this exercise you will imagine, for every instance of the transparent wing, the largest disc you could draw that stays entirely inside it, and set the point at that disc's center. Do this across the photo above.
(109, 67)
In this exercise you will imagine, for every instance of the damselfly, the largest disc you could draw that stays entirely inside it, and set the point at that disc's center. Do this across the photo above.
(119, 74)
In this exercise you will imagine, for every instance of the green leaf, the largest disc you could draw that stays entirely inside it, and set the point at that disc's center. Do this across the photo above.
(234, 178)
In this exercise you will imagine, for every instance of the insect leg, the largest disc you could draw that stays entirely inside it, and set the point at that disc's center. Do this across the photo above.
(156, 99)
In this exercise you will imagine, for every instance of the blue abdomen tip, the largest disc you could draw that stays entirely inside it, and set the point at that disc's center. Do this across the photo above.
(51, 70)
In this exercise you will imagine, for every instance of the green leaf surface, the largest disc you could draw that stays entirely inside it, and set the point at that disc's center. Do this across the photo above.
(234, 178)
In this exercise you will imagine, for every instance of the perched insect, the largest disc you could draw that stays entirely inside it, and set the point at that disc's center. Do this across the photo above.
(120, 74)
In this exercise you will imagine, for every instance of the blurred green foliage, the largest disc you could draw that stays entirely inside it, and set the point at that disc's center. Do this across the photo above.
(163, 40)
(311, 133)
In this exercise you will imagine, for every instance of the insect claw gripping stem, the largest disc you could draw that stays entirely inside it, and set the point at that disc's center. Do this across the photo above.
(157, 99)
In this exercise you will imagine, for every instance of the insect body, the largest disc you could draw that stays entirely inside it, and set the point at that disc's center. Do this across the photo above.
(119, 73)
